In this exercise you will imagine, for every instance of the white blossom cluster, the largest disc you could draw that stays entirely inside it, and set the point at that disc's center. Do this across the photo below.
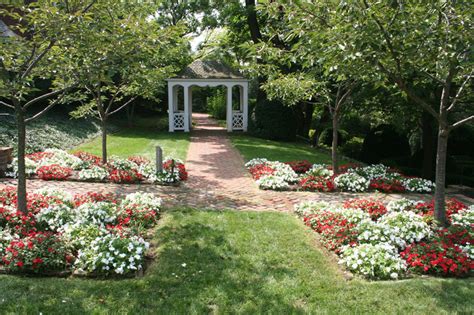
(320, 170)
(255, 162)
(464, 217)
(284, 171)
(63, 159)
(373, 171)
(352, 182)
(97, 213)
(142, 200)
(272, 182)
(56, 217)
(306, 208)
(122, 164)
(113, 254)
(379, 261)
(93, 173)
(418, 185)
(402, 204)
(59, 194)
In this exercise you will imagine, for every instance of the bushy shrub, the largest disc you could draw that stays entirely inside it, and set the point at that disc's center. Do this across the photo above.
(216, 104)
(384, 142)
(353, 147)
(325, 138)
(273, 120)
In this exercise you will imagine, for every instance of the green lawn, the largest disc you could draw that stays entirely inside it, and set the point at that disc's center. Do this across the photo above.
(235, 262)
(251, 147)
(141, 140)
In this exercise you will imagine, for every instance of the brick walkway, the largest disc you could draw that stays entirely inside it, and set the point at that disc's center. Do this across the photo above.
(217, 179)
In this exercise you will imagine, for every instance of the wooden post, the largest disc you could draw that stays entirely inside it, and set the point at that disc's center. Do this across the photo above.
(159, 159)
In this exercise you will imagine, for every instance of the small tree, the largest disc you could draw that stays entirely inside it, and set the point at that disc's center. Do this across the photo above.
(417, 44)
(123, 55)
(36, 51)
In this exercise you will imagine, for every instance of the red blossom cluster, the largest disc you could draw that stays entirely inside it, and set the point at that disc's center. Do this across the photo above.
(260, 170)
(387, 185)
(316, 183)
(53, 172)
(136, 215)
(344, 167)
(373, 207)
(300, 167)
(125, 176)
(442, 255)
(37, 156)
(35, 251)
(334, 229)
(172, 164)
(88, 157)
(139, 160)
(94, 197)
(452, 206)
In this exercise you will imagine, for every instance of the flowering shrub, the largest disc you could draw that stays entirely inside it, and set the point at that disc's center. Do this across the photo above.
(306, 208)
(405, 228)
(320, 170)
(464, 217)
(316, 183)
(453, 206)
(88, 158)
(373, 207)
(351, 182)
(272, 182)
(140, 209)
(442, 255)
(93, 173)
(55, 217)
(174, 166)
(53, 172)
(418, 185)
(113, 254)
(402, 205)
(387, 185)
(8, 196)
(139, 160)
(97, 213)
(91, 197)
(125, 176)
(254, 162)
(300, 167)
(334, 228)
(380, 261)
(260, 170)
(35, 252)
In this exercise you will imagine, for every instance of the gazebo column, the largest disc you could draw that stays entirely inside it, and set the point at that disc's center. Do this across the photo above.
(229, 112)
(186, 108)
(245, 104)
(171, 106)
(190, 117)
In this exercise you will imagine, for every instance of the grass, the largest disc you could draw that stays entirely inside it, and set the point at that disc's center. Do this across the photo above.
(235, 262)
(141, 140)
(251, 147)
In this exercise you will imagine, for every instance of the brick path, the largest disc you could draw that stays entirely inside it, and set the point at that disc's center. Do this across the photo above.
(217, 180)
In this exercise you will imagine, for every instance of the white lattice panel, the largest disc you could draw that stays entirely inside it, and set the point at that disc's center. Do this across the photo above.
(237, 121)
(178, 121)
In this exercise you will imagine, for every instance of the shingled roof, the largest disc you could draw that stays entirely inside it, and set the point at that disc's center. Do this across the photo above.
(207, 69)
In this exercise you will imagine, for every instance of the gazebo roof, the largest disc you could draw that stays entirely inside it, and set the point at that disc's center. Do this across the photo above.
(208, 69)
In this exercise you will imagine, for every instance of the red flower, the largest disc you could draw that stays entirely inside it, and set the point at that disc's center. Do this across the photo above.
(125, 176)
(139, 160)
(87, 157)
(373, 207)
(300, 167)
(316, 183)
(53, 172)
(260, 170)
(387, 185)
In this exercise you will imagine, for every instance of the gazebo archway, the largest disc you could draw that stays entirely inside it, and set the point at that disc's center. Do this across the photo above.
(206, 73)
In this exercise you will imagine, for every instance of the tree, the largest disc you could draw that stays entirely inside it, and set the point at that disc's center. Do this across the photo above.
(415, 45)
(122, 55)
(37, 51)
(306, 63)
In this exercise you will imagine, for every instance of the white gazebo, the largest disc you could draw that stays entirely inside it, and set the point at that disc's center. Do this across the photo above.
(206, 73)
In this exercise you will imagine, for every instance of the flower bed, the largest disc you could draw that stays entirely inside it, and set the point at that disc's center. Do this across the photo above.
(92, 234)
(301, 175)
(395, 240)
(54, 164)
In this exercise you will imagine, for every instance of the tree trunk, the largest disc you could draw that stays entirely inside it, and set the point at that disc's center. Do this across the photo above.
(104, 140)
(21, 184)
(130, 115)
(428, 144)
(335, 128)
(439, 211)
